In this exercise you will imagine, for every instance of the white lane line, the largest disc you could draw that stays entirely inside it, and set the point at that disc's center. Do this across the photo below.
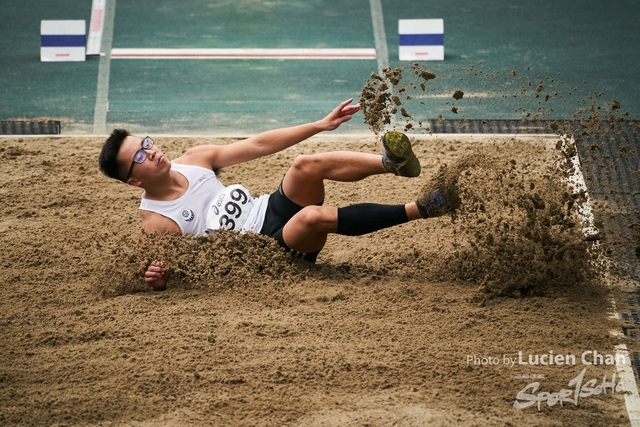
(625, 372)
(579, 186)
(629, 386)
(242, 53)
(104, 71)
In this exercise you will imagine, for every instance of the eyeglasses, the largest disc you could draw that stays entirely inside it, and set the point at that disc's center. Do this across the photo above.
(140, 155)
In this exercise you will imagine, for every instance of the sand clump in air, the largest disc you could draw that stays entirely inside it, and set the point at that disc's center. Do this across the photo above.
(412, 94)
(380, 97)
(378, 103)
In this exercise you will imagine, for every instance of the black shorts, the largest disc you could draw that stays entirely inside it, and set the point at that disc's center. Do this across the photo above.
(280, 209)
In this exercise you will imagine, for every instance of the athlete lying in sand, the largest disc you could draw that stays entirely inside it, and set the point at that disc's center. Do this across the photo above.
(185, 196)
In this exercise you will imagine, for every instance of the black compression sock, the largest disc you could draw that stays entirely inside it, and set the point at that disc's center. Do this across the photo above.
(356, 220)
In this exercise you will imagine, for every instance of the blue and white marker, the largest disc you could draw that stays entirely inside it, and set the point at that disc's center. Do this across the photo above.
(62, 41)
(421, 39)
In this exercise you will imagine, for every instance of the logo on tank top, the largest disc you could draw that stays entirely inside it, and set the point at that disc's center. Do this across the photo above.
(188, 215)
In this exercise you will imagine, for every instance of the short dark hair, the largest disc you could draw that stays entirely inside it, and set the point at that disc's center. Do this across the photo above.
(108, 160)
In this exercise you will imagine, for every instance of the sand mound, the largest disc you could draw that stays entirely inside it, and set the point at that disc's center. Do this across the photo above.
(225, 261)
(518, 230)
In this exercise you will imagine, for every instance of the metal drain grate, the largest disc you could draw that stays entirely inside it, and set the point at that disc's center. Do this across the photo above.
(49, 127)
(611, 167)
(490, 126)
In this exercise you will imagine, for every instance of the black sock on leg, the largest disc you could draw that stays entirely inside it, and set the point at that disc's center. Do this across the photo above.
(363, 218)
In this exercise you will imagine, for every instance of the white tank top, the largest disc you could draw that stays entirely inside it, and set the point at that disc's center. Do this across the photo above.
(190, 210)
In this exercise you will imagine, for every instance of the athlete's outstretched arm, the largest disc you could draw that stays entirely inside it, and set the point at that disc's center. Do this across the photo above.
(273, 141)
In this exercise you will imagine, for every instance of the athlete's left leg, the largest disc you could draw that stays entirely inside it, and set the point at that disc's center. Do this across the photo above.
(307, 231)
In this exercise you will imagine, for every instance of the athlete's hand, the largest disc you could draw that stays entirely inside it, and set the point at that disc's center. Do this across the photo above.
(156, 276)
(341, 114)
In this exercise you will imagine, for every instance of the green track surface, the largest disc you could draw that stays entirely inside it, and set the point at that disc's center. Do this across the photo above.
(575, 49)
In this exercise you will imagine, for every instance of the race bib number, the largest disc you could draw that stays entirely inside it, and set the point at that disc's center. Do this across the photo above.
(230, 209)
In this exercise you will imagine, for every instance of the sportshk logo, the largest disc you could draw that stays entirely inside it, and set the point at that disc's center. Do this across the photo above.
(188, 215)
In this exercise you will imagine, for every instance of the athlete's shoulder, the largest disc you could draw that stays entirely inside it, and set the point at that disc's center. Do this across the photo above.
(154, 222)
(202, 156)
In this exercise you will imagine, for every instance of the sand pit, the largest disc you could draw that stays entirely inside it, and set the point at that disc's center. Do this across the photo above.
(408, 326)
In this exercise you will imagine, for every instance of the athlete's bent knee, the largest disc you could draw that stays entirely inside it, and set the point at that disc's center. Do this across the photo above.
(317, 218)
(302, 163)
(306, 164)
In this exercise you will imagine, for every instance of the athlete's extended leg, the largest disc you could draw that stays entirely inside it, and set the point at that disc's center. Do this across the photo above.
(307, 231)
(304, 182)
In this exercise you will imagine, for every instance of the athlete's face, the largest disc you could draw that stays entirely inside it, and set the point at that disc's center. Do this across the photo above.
(142, 157)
